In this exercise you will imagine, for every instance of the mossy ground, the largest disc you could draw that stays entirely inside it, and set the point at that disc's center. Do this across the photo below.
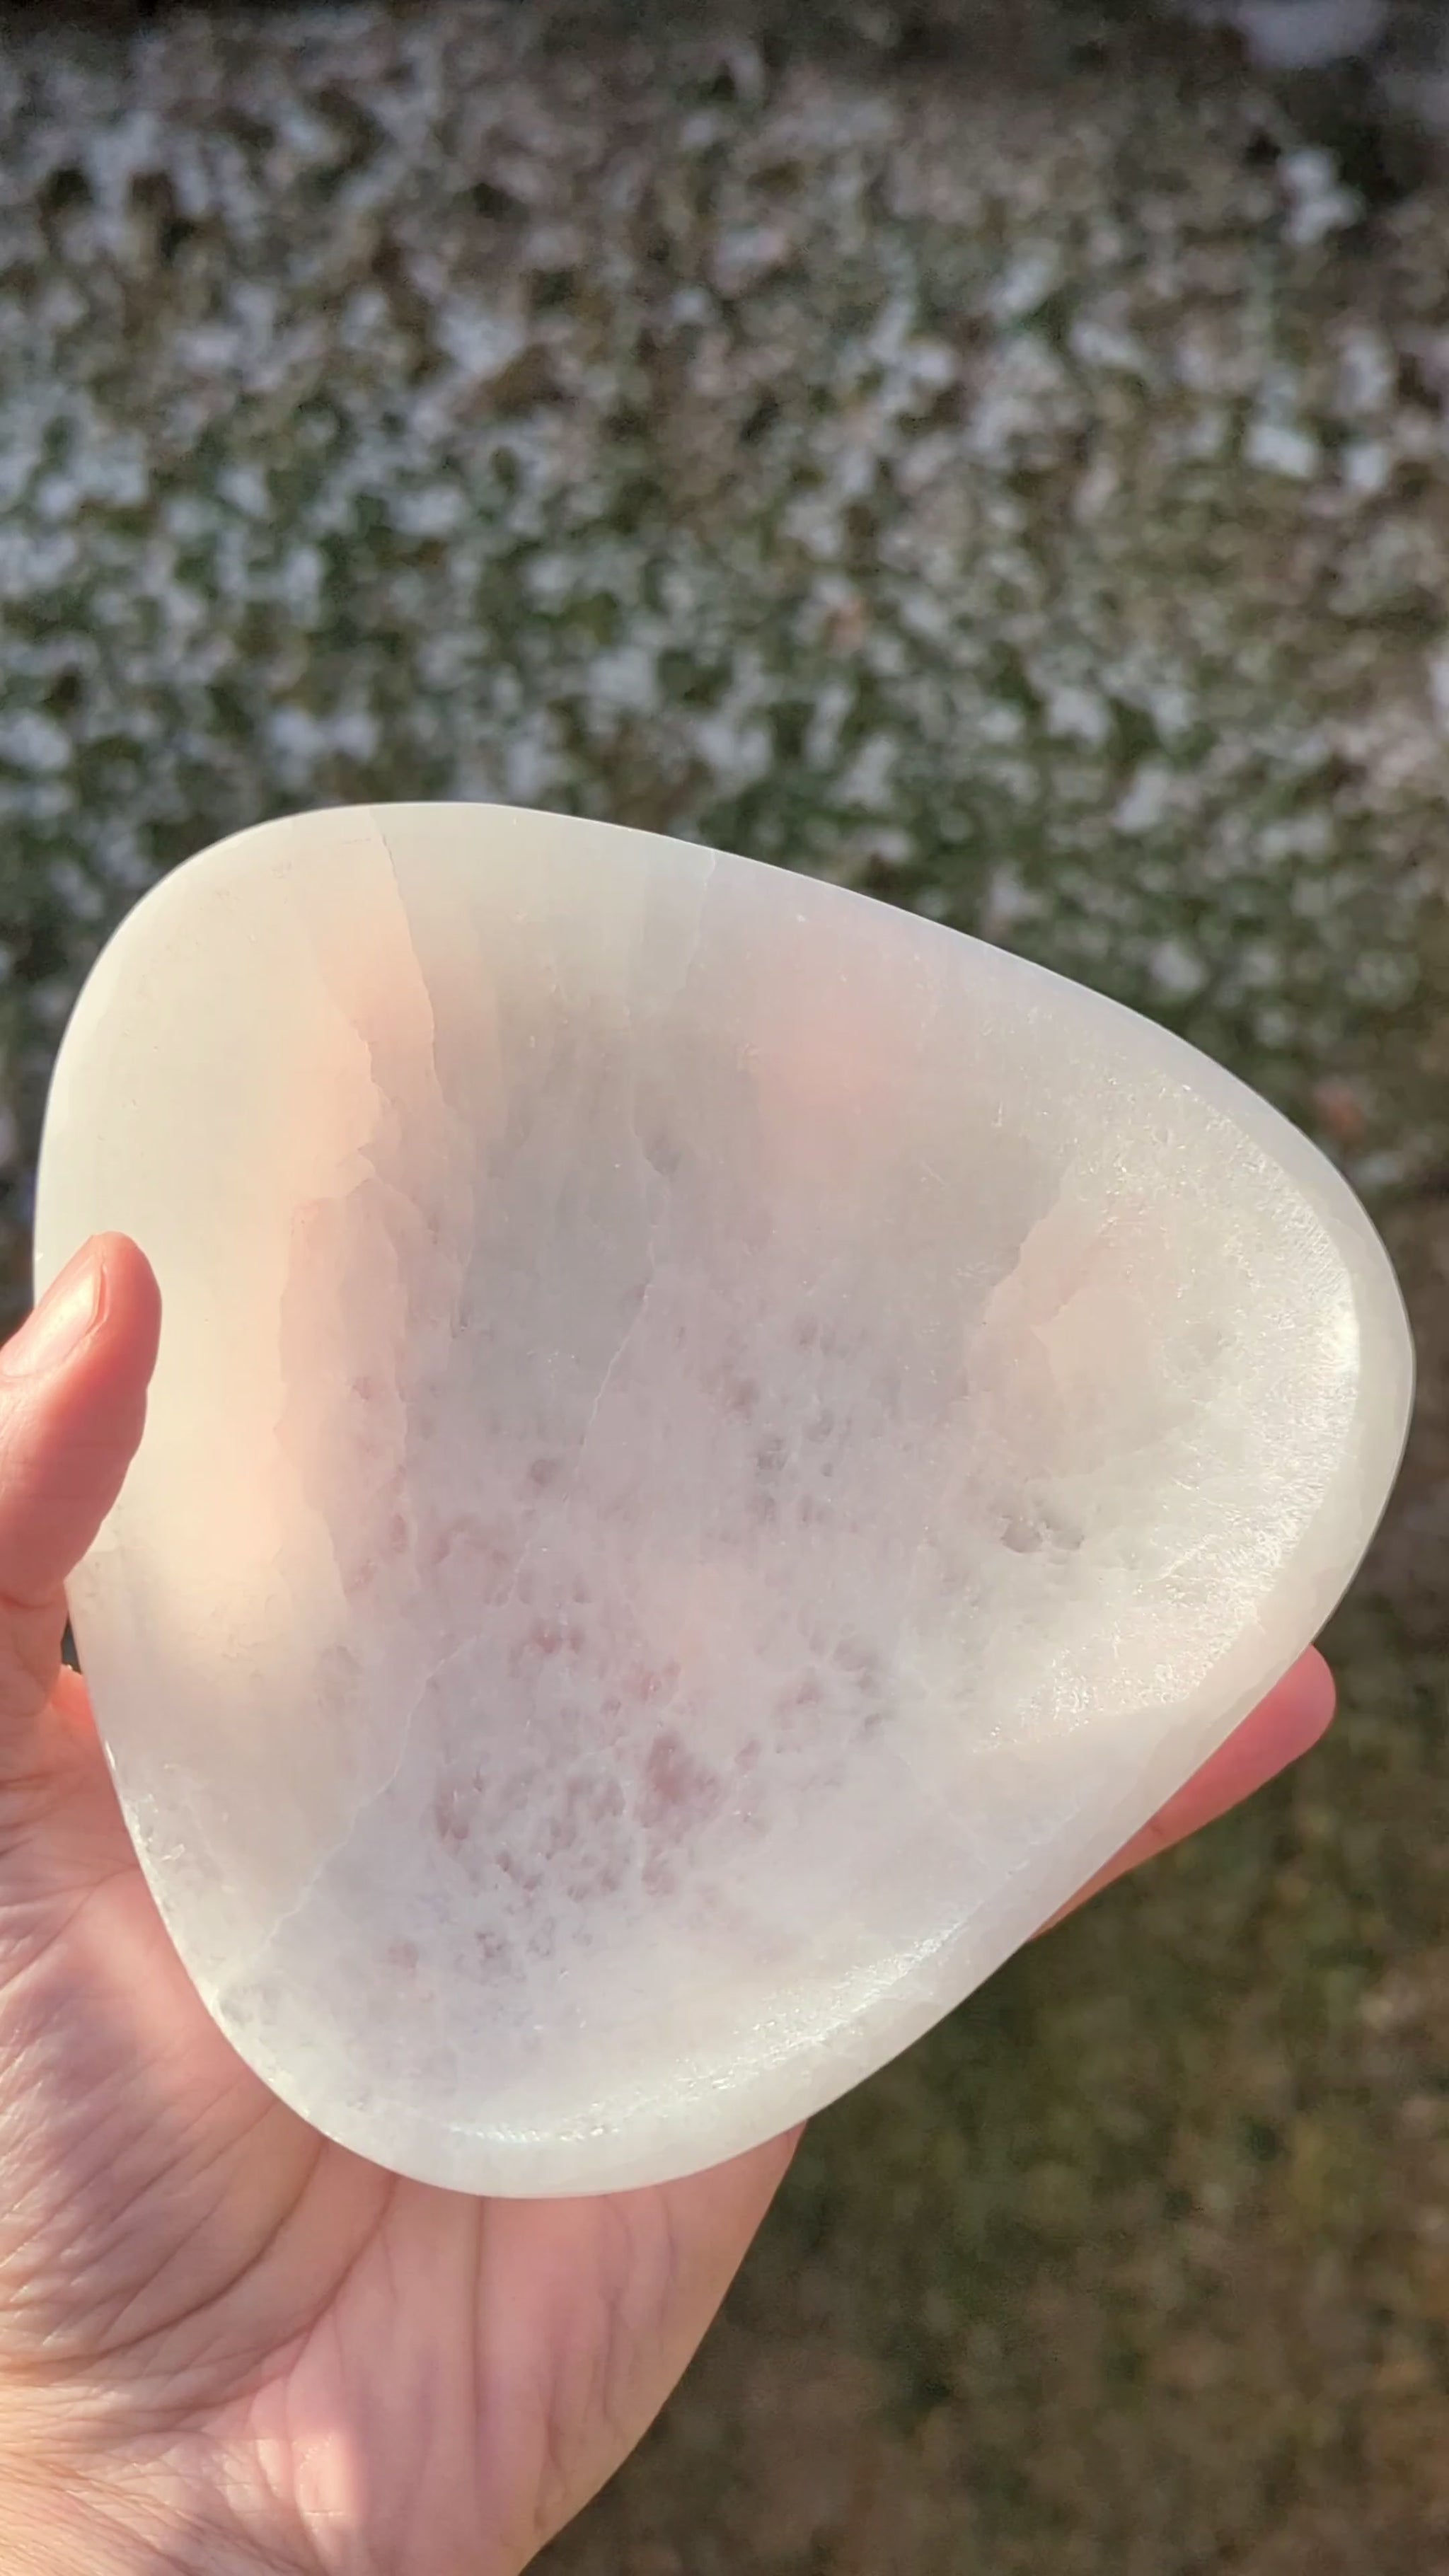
(1014, 479)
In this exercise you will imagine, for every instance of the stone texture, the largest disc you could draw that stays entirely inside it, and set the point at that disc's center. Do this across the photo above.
(1024, 493)
(716, 1448)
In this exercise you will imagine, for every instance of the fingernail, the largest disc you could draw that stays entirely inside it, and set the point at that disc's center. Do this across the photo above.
(68, 1311)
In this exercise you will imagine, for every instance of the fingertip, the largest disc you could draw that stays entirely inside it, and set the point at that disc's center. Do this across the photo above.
(94, 1397)
(1300, 1708)
(1287, 1722)
(103, 1301)
(131, 1318)
(72, 1408)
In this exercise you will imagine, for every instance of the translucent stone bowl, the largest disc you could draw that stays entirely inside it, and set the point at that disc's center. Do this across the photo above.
(717, 1448)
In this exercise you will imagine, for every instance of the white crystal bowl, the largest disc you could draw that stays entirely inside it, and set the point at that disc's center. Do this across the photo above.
(716, 1449)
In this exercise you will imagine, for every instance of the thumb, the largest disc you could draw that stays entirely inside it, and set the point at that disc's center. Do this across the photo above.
(72, 1404)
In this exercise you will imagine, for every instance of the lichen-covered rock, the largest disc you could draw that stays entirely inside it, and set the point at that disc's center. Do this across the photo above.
(1028, 500)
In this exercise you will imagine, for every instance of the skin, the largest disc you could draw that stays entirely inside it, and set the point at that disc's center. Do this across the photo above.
(226, 2344)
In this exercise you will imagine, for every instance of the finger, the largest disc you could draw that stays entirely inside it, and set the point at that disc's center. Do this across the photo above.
(72, 1404)
(1297, 1711)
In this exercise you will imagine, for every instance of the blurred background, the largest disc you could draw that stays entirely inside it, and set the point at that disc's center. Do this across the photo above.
(997, 456)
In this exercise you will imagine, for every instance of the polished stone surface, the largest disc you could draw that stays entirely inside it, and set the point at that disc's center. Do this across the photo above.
(717, 1447)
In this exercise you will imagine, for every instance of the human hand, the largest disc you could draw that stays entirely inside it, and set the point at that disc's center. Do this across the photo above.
(225, 2344)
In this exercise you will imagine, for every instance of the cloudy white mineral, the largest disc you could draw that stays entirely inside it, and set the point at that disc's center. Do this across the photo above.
(716, 1448)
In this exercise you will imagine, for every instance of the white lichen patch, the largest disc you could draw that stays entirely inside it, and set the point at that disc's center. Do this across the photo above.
(1025, 511)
